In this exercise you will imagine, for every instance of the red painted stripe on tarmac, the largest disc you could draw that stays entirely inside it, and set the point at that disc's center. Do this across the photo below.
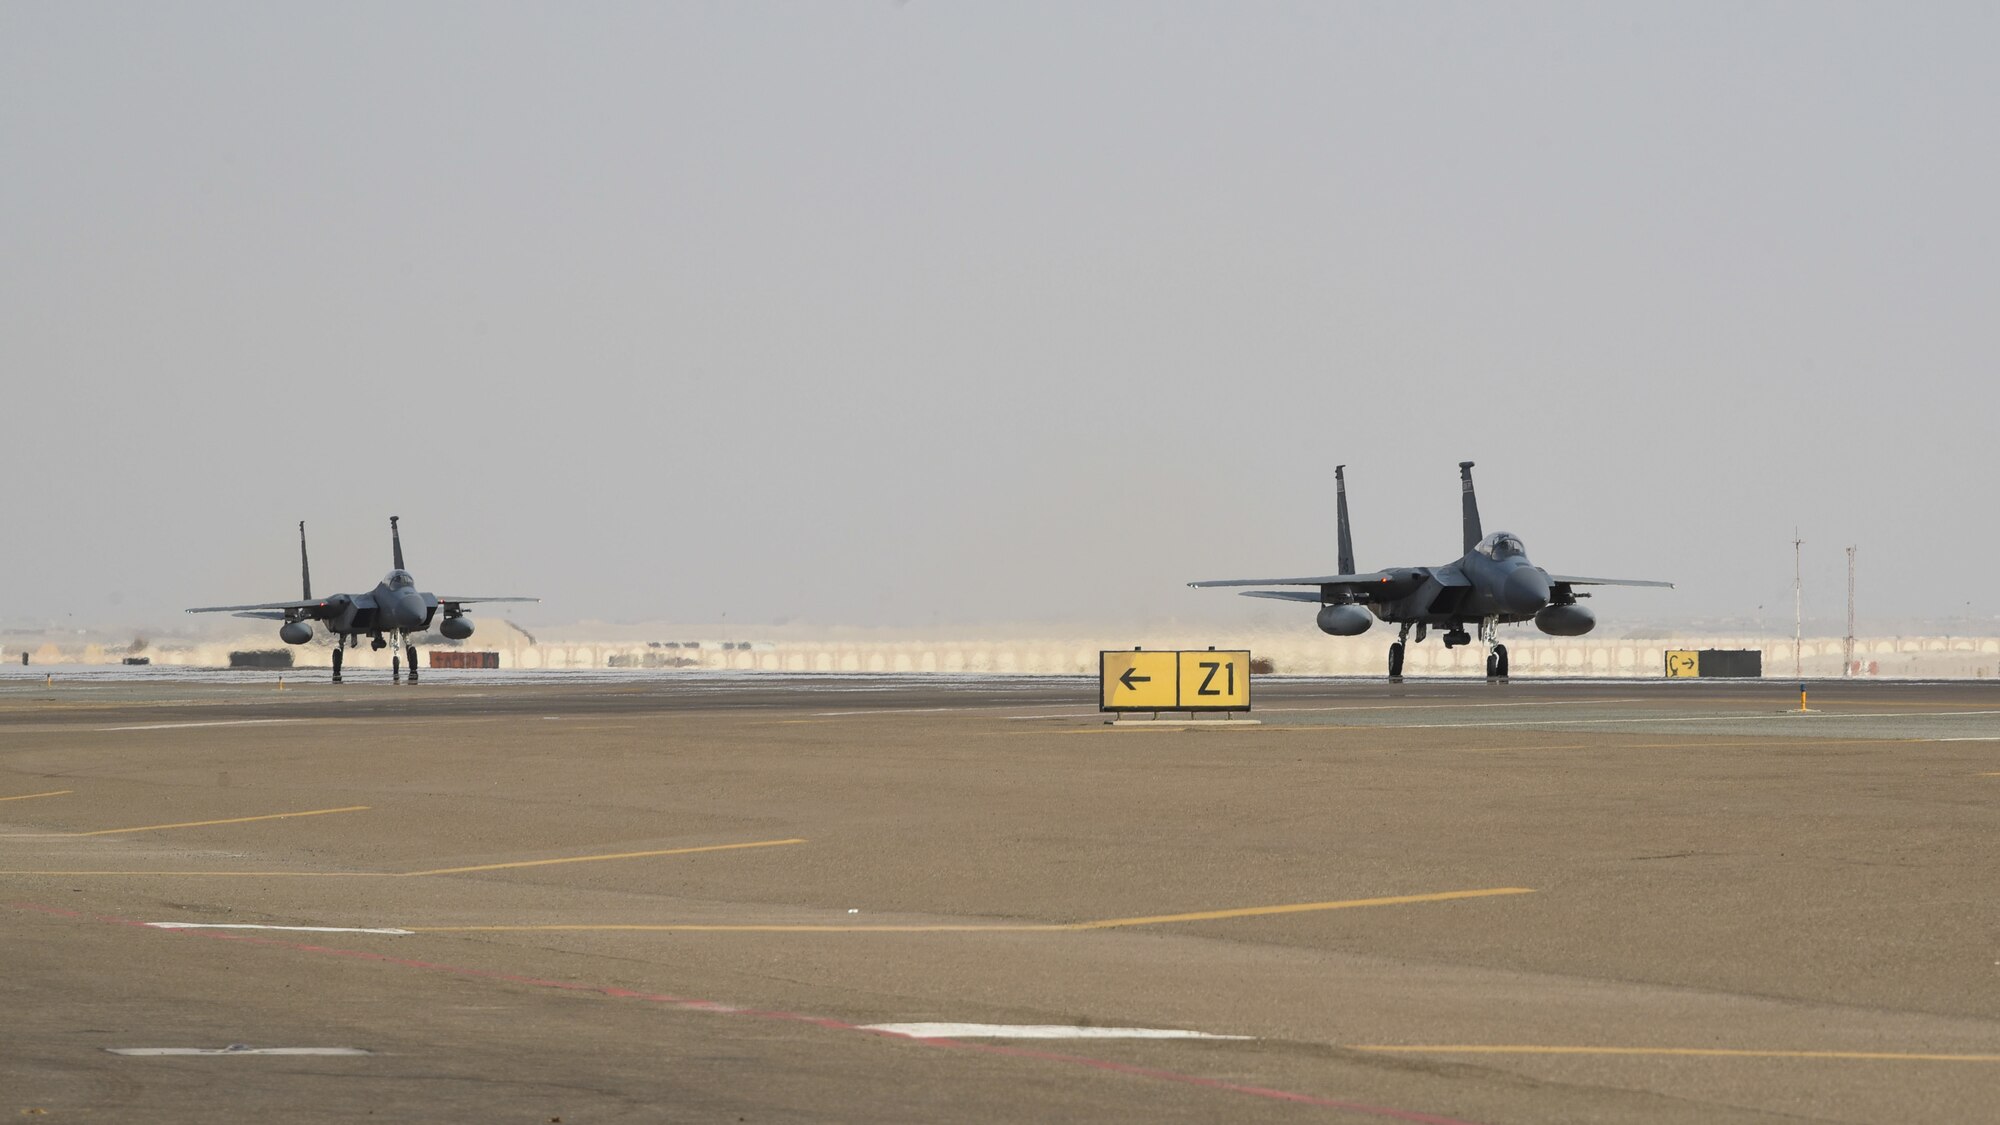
(712, 1007)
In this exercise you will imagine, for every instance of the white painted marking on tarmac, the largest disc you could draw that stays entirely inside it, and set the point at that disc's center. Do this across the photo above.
(1461, 706)
(1036, 1031)
(293, 929)
(1976, 738)
(1694, 719)
(893, 711)
(218, 723)
(238, 1049)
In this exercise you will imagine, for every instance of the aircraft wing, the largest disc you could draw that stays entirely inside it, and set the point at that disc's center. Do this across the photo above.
(455, 600)
(1312, 596)
(272, 606)
(1325, 580)
(1573, 580)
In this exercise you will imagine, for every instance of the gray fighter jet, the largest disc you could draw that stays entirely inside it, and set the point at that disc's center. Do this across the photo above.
(1494, 584)
(395, 608)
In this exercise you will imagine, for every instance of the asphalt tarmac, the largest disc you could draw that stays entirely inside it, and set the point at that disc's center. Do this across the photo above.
(727, 898)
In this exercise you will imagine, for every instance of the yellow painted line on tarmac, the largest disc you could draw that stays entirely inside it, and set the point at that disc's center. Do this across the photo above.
(1298, 908)
(1521, 749)
(975, 927)
(32, 796)
(1165, 725)
(230, 820)
(726, 928)
(1688, 1052)
(596, 858)
(403, 874)
(1781, 741)
(222, 874)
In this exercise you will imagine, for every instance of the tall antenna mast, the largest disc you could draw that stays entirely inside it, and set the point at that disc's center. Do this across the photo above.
(1849, 669)
(1798, 611)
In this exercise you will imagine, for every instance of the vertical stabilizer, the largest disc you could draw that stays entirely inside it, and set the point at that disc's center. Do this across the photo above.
(1340, 513)
(305, 569)
(1472, 533)
(396, 540)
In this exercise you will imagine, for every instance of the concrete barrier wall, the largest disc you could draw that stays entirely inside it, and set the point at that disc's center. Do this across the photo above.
(1290, 653)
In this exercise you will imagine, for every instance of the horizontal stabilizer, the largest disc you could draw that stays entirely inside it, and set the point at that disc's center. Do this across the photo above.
(1324, 580)
(1573, 580)
(1285, 595)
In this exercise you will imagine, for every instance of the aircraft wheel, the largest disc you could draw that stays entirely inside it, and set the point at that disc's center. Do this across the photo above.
(396, 666)
(336, 665)
(1492, 667)
(1396, 659)
(1499, 657)
(413, 664)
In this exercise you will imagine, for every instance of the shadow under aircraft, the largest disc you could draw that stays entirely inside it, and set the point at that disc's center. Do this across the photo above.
(388, 615)
(1492, 584)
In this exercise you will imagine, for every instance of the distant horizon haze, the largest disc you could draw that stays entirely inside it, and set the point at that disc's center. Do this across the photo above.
(930, 316)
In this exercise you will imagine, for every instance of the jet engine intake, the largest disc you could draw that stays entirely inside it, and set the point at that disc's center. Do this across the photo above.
(295, 632)
(1565, 620)
(1345, 620)
(457, 627)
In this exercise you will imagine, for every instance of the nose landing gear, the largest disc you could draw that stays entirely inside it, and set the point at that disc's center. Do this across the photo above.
(1496, 653)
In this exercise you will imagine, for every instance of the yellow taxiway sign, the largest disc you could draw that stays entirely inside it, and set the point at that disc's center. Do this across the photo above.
(1190, 680)
(1137, 681)
(1215, 681)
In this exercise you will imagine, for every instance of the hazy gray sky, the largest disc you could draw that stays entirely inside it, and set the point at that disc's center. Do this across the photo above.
(960, 313)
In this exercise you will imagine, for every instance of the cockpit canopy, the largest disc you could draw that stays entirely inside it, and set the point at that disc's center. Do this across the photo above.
(1501, 545)
(400, 580)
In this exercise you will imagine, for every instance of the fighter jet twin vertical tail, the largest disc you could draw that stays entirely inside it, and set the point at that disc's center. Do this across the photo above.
(1493, 583)
(394, 609)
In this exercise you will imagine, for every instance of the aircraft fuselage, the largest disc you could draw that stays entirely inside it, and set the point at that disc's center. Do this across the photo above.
(1476, 587)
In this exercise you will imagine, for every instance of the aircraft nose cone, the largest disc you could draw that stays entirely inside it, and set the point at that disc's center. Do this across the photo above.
(1527, 590)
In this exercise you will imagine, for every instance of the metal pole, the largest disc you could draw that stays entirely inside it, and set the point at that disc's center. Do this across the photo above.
(1848, 668)
(1798, 612)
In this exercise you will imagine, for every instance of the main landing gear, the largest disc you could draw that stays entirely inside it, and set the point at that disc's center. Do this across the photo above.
(1496, 653)
(1401, 644)
(397, 650)
(338, 649)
